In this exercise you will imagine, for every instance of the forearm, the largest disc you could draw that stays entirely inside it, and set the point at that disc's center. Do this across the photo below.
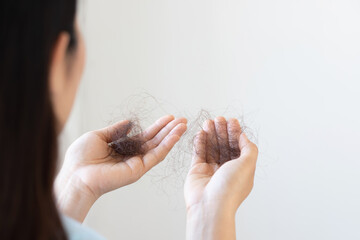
(73, 197)
(210, 222)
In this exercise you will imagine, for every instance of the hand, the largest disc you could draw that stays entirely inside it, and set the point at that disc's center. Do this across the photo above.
(90, 171)
(218, 180)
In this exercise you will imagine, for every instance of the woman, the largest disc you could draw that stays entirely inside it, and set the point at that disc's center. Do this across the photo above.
(42, 59)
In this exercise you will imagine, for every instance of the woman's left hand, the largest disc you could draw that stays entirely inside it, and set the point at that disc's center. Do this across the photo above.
(90, 171)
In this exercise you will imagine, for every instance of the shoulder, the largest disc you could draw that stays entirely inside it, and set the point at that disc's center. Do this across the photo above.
(76, 231)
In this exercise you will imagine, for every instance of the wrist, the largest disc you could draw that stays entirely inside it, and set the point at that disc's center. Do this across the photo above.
(210, 221)
(73, 197)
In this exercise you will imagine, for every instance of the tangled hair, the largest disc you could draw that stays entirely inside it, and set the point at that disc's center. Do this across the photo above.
(128, 141)
(215, 144)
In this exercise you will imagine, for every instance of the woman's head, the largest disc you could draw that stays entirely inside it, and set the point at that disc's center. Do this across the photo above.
(42, 56)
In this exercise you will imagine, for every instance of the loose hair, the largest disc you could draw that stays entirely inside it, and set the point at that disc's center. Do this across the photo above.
(127, 141)
(28, 135)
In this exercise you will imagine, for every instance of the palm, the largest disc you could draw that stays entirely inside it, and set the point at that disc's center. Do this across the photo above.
(91, 161)
(197, 182)
(208, 180)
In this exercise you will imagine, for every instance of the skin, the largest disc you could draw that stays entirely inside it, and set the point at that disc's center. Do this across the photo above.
(89, 172)
(213, 192)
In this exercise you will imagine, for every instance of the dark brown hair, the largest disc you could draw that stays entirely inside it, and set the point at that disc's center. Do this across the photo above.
(28, 137)
(127, 141)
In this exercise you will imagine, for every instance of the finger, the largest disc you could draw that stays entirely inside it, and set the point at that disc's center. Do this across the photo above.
(212, 147)
(156, 140)
(151, 131)
(156, 155)
(199, 155)
(115, 130)
(234, 131)
(223, 140)
(249, 151)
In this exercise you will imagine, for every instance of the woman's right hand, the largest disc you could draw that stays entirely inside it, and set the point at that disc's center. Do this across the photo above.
(219, 179)
(91, 170)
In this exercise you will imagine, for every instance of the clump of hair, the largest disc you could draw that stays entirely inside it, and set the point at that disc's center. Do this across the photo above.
(213, 143)
(128, 141)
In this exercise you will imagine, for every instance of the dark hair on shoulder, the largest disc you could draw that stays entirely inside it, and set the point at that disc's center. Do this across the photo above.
(28, 137)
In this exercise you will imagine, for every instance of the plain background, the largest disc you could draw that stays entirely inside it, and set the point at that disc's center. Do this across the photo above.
(291, 68)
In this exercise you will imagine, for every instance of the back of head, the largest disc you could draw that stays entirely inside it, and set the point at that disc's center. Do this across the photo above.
(28, 134)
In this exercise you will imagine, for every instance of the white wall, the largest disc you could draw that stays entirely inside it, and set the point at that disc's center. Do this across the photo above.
(292, 68)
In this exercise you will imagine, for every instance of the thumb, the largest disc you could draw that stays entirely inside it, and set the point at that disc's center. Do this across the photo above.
(248, 150)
